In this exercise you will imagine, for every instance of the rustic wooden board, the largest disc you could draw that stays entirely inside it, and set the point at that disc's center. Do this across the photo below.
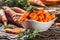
(52, 34)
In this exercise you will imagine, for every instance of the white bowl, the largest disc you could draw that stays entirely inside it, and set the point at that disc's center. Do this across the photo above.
(41, 26)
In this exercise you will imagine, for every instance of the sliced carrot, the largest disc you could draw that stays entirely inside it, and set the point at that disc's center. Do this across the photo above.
(32, 14)
(17, 30)
(14, 31)
(8, 30)
(40, 18)
(26, 13)
(57, 24)
(45, 20)
(42, 15)
(53, 16)
(39, 12)
(39, 15)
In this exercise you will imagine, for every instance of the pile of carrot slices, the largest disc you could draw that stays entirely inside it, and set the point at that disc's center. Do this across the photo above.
(38, 15)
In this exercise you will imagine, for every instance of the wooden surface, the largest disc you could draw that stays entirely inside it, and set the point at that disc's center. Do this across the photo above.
(52, 34)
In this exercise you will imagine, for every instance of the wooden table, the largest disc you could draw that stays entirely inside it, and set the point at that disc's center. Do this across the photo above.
(52, 34)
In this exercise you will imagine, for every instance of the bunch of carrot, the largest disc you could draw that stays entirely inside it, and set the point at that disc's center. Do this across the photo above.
(38, 15)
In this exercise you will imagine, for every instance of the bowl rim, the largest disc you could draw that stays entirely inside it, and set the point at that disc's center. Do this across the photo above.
(42, 22)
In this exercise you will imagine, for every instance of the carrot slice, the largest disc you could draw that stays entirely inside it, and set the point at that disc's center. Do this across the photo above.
(57, 24)
(53, 16)
(14, 31)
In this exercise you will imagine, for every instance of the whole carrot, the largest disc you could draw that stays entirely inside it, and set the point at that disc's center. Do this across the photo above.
(12, 15)
(12, 21)
(4, 19)
(50, 2)
(18, 10)
(0, 18)
(37, 2)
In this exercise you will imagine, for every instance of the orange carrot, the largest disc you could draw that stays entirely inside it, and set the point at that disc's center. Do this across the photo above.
(12, 14)
(26, 14)
(37, 2)
(0, 18)
(53, 16)
(3, 17)
(18, 10)
(57, 24)
(33, 16)
(39, 15)
(14, 31)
